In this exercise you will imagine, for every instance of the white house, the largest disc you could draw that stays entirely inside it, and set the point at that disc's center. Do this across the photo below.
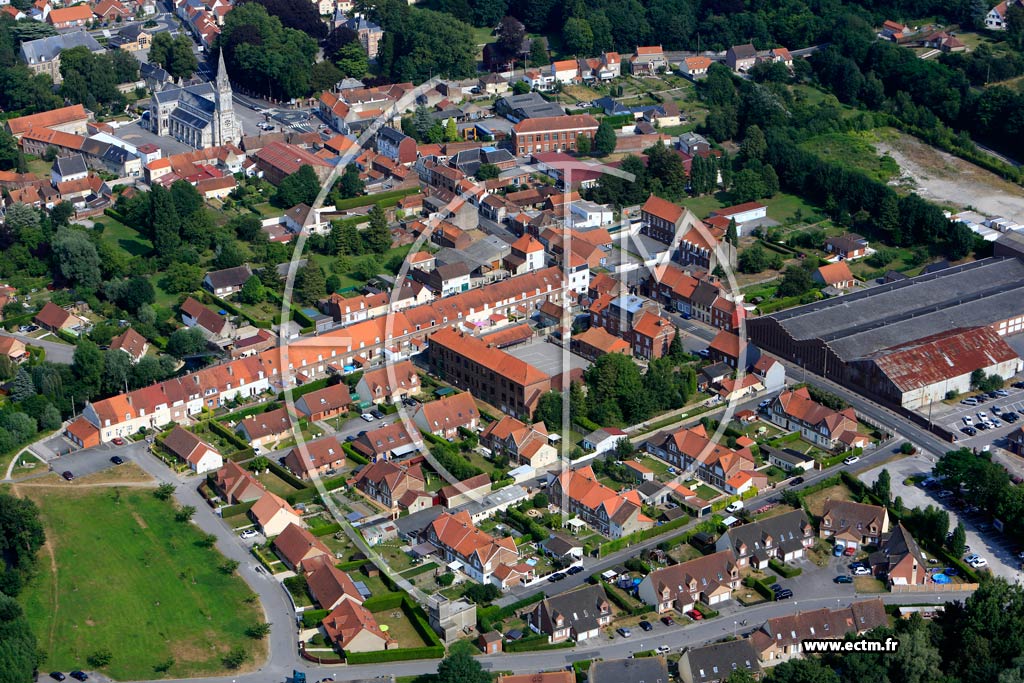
(586, 214)
(743, 213)
(200, 456)
(566, 71)
(539, 80)
(602, 440)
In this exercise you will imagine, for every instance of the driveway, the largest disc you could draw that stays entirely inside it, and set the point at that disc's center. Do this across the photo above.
(56, 352)
(990, 544)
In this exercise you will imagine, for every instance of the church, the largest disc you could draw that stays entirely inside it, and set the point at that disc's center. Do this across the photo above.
(201, 115)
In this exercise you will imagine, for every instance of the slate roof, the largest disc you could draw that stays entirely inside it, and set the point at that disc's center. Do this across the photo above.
(46, 49)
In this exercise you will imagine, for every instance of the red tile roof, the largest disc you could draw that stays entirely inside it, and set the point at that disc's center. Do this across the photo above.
(504, 364)
(552, 123)
(662, 208)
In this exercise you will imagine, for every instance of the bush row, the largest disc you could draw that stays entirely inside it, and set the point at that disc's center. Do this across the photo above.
(379, 603)
(399, 655)
(619, 544)
(761, 586)
(311, 618)
(354, 455)
(620, 600)
(487, 616)
(534, 643)
(232, 510)
(783, 570)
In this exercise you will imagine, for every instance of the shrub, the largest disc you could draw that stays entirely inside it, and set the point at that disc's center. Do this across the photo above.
(258, 631)
(100, 659)
(235, 658)
(228, 566)
(311, 618)
(782, 570)
(399, 655)
(446, 579)
(318, 640)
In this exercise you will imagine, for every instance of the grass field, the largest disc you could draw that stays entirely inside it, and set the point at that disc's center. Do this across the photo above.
(127, 239)
(816, 501)
(126, 577)
(855, 151)
(400, 628)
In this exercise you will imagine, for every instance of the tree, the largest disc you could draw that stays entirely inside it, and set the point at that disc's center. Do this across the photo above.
(21, 536)
(181, 277)
(259, 464)
(310, 283)
(487, 172)
(377, 237)
(803, 671)
(76, 257)
(883, 486)
(252, 291)
(578, 36)
(258, 631)
(117, 366)
(184, 513)
(520, 88)
(604, 139)
(958, 540)
(164, 491)
(796, 281)
(19, 654)
(185, 342)
(301, 187)
(461, 667)
(977, 377)
(549, 410)
(324, 76)
(24, 388)
(87, 368)
(236, 657)
(510, 36)
(350, 185)
(675, 347)
(264, 56)
(100, 658)
(229, 255)
(182, 60)
(583, 144)
(10, 155)
(754, 145)
(753, 260)
(351, 60)
(731, 235)
(539, 53)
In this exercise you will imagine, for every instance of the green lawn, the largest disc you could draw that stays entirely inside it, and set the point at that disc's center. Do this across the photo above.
(276, 484)
(126, 577)
(854, 151)
(659, 467)
(127, 239)
(400, 628)
(706, 492)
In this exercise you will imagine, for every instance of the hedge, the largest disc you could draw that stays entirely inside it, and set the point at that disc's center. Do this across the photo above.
(782, 570)
(351, 565)
(612, 546)
(706, 611)
(616, 596)
(228, 434)
(486, 616)
(382, 198)
(399, 655)
(281, 472)
(354, 455)
(232, 510)
(308, 387)
(759, 585)
(422, 569)
(539, 642)
(379, 603)
(311, 618)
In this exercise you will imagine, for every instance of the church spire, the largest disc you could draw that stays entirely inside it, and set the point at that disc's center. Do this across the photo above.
(223, 82)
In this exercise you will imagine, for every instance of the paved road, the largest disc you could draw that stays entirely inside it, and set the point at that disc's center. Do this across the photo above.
(56, 352)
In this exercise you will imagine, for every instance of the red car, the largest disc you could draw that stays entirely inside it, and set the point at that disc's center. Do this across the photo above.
(850, 550)
(118, 441)
(695, 615)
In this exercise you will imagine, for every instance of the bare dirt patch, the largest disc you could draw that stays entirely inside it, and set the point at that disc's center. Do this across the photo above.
(141, 522)
(949, 180)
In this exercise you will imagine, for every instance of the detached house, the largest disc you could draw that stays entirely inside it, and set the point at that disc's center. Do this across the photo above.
(578, 615)
(387, 483)
(272, 514)
(328, 585)
(474, 552)
(226, 282)
(390, 383)
(271, 426)
(709, 579)
(853, 524)
(353, 628)
(200, 456)
(296, 546)
(194, 314)
(522, 444)
(132, 343)
(899, 559)
(445, 416)
(824, 427)
(741, 58)
(784, 538)
(325, 403)
(835, 275)
(322, 457)
(236, 485)
(647, 61)
(387, 443)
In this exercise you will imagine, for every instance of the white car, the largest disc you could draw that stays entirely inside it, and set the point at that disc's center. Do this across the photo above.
(968, 421)
(861, 571)
(852, 459)
(995, 423)
(979, 563)
(367, 417)
(249, 533)
(664, 649)
(971, 558)
(982, 415)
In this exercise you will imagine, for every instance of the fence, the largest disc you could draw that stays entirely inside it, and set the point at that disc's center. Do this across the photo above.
(935, 588)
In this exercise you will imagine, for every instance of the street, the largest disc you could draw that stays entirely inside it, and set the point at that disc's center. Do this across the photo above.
(56, 352)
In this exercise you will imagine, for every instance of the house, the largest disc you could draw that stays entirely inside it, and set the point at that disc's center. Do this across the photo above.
(271, 426)
(603, 440)
(770, 372)
(350, 627)
(13, 348)
(200, 456)
(464, 547)
(68, 168)
(742, 213)
(578, 615)
(780, 638)
(709, 579)
(853, 524)
(469, 490)
(54, 318)
(446, 416)
(716, 663)
(614, 514)
(493, 84)
(726, 348)
(640, 473)
(651, 336)
(661, 219)
(73, 120)
(638, 670)
(894, 30)
(386, 482)
(226, 282)
(1015, 441)
(522, 444)
(389, 384)
(445, 279)
(325, 403)
(797, 411)
(566, 71)
(647, 61)
(194, 314)
(278, 160)
(552, 133)
(111, 10)
(527, 255)
(900, 559)
(396, 145)
(328, 585)
(715, 463)
(848, 246)
(746, 480)
(694, 67)
(296, 547)
(780, 55)
(789, 460)
(741, 58)
(835, 275)
(69, 17)
(388, 443)
(596, 341)
(322, 457)
(561, 547)
(236, 485)
(784, 538)
(80, 432)
(271, 514)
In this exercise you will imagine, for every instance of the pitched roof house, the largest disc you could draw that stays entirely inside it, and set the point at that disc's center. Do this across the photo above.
(899, 559)
(387, 443)
(200, 456)
(272, 425)
(709, 579)
(132, 343)
(296, 546)
(523, 444)
(325, 403)
(328, 585)
(615, 514)
(477, 553)
(780, 638)
(195, 314)
(227, 281)
(853, 524)
(836, 275)
(784, 537)
(797, 411)
(236, 485)
(577, 615)
(322, 457)
(386, 482)
(352, 628)
(272, 514)
(446, 415)
(390, 383)
(715, 663)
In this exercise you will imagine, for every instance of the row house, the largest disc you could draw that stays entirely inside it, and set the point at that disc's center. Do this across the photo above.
(710, 579)
(612, 513)
(692, 450)
(578, 615)
(785, 538)
(619, 315)
(647, 61)
(552, 134)
(521, 443)
(348, 310)
(824, 427)
(476, 553)
(447, 415)
(781, 638)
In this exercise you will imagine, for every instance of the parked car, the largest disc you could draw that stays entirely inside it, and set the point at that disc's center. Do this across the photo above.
(969, 431)
(664, 649)
(118, 441)
(843, 578)
(971, 558)
(968, 420)
(377, 414)
(784, 594)
(68, 475)
(982, 426)
(573, 570)
(861, 571)
(850, 551)
(979, 563)
(646, 625)
(57, 676)
(249, 533)
(79, 675)
(982, 415)
(668, 621)
(838, 551)
(776, 587)
(797, 481)
(695, 615)
(852, 459)
(117, 460)
(367, 417)
(624, 632)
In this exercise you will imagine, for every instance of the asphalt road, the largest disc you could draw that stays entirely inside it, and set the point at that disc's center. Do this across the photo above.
(56, 352)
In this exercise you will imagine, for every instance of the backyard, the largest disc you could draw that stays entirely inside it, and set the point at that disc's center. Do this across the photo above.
(171, 611)
(816, 501)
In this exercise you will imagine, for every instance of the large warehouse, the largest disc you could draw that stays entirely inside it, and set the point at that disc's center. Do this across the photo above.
(907, 343)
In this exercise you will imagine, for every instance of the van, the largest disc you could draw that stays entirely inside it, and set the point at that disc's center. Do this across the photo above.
(734, 506)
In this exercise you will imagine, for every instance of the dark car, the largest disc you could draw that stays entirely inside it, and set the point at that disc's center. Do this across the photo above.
(776, 588)
(646, 625)
(559, 576)
(79, 675)
(350, 438)
(575, 569)
(784, 594)
(797, 481)
(982, 426)
(57, 676)
(668, 621)
(377, 414)
(68, 475)
(843, 579)
(969, 431)
(117, 460)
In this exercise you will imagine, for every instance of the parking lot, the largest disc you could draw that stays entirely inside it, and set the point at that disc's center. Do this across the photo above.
(984, 541)
(952, 418)
(547, 357)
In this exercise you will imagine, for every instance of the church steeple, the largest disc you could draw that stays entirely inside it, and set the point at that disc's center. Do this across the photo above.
(225, 127)
(223, 82)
